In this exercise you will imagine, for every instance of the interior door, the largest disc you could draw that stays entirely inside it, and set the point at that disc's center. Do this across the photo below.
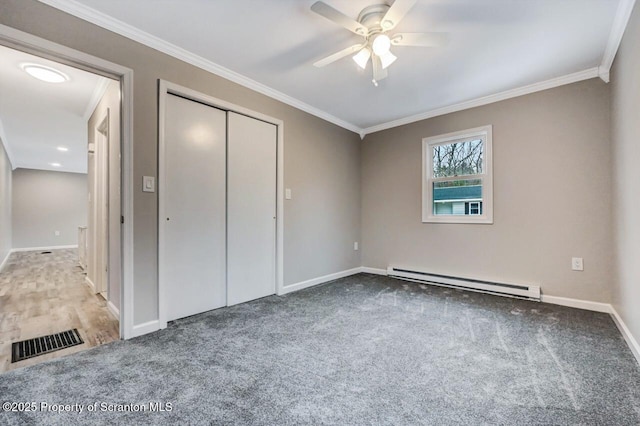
(251, 209)
(193, 270)
(102, 203)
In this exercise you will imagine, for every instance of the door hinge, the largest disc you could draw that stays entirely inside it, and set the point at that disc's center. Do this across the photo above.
(121, 219)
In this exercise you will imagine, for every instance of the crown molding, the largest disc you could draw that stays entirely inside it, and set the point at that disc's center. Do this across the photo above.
(96, 96)
(524, 90)
(107, 22)
(625, 7)
(100, 19)
(7, 148)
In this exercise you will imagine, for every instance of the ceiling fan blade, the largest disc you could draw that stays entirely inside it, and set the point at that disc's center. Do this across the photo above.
(338, 55)
(394, 15)
(338, 17)
(420, 39)
(379, 73)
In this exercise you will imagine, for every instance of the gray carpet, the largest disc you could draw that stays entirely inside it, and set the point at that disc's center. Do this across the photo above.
(360, 350)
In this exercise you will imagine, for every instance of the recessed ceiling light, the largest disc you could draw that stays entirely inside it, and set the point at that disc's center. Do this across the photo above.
(63, 149)
(55, 164)
(44, 73)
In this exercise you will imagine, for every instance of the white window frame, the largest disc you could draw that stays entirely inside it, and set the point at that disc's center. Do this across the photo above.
(475, 204)
(484, 133)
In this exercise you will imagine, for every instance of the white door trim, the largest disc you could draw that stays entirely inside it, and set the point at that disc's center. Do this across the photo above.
(166, 88)
(100, 201)
(29, 43)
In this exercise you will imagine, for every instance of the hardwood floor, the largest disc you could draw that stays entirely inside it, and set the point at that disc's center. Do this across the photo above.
(42, 294)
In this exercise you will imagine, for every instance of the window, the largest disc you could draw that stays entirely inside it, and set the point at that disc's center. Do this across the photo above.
(457, 177)
(474, 208)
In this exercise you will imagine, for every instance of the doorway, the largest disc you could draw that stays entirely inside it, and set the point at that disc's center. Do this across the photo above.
(48, 113)
(225, 246)
(120, 252)
(19, 40)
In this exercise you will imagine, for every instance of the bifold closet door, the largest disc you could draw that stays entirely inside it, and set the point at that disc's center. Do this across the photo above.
(251, 209)
(194, 194)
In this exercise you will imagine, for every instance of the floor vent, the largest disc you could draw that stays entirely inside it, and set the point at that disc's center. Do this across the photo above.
(523, 291)
(43, 345)
(45, 252)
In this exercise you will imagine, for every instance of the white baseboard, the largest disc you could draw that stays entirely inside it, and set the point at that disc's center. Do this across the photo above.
(151, 326)
(6, 258)
(572, 303)
(577, 303)
(145, 328)
(112, 308)
(315, 281)
(599, 307)
(90, 283)
(626, 333)
(375, 271)
(15, 250)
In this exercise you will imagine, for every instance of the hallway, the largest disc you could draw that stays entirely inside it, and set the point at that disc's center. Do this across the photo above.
(41, 294)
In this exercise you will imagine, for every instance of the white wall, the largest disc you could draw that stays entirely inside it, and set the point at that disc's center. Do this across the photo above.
(5, 205)
(552, 184)
(45, 202)
(625, 126)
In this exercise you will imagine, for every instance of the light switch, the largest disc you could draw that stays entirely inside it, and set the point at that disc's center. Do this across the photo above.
(148, 184)
(287, 193)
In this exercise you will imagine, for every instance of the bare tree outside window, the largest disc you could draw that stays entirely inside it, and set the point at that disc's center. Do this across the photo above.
(458, 159)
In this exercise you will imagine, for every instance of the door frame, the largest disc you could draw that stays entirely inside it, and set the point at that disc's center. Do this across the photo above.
(166, 88)
(20, 40)
(101, 187)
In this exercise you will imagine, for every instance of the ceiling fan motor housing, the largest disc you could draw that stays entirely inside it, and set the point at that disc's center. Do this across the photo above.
(371, 18)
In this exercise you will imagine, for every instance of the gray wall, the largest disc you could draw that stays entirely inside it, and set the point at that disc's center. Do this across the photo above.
(552, 182)
(5, 204)
(322, 162)
(625, 126)
(45, 202)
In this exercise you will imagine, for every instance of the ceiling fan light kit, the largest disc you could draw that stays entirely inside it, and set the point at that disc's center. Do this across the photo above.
(373, 22)
(387, 59)
(362, 57)
(381, 44)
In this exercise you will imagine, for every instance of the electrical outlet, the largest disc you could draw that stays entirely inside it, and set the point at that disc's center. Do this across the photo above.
(57, 233)
(355, 245)
(577, 264)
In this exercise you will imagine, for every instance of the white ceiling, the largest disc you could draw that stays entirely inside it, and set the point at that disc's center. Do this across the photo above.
(36, 117)
(496, 46)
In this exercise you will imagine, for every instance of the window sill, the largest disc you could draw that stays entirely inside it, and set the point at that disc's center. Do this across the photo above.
(481, 220)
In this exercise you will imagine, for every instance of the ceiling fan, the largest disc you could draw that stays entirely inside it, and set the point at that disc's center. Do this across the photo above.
(373, 23)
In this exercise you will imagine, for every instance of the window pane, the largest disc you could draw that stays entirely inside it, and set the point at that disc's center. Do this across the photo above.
(458, 158)
(458, 197)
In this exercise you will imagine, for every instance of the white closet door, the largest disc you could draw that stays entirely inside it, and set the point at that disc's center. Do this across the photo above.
(194, 207)
(251, 209)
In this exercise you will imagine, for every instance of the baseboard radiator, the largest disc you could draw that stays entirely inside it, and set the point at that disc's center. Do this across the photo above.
(523, 291)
